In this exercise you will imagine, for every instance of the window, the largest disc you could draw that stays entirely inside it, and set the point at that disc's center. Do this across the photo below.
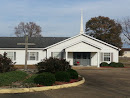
(32, 55)
(107, 56)
(11, 55)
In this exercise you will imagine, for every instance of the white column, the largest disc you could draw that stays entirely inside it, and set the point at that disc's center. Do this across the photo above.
(98, 59)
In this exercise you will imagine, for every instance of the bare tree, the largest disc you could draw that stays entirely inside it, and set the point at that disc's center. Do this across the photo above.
(31, 29)
(126, 29)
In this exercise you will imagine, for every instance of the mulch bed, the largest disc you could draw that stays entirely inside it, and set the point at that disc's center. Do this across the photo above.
(61, 83)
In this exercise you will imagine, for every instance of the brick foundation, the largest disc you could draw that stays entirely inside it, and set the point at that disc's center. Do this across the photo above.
(22, 66)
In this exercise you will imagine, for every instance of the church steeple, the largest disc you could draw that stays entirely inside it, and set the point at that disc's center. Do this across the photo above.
(81, 25)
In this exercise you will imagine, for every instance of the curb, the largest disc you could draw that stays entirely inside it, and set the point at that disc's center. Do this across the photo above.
(33, 89)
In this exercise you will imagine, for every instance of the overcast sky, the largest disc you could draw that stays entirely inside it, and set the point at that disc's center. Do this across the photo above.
(57, 17)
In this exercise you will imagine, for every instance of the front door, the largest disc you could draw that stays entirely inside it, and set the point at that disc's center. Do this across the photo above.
(82, 58)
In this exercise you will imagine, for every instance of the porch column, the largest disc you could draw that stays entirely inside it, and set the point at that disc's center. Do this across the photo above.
(98, 59)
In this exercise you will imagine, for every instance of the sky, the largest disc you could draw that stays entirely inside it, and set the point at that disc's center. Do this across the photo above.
(57, 17)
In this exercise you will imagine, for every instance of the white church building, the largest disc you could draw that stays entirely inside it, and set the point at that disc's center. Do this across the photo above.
(79, 50)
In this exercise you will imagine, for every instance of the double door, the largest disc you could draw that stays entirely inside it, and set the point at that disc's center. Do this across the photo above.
(82, 58)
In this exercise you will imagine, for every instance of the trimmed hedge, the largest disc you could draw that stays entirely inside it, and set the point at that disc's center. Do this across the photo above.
(46, 79)
(120, 64)
(104, 64)
(73, 74)
(112, 64)
(62, 76)
(13, 76)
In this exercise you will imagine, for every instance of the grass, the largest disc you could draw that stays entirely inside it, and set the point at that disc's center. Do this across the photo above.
(30, 79)
(9, 77)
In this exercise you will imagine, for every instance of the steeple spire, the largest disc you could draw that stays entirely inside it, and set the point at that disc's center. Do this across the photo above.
(81, 25)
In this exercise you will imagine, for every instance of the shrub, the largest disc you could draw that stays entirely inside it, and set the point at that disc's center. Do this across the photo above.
(120, 64)
(46, 79)
(6, 64)
(53, 65)
(104, 64)
(13, 76)
(62, 76)
(73, 74)
(114, 64)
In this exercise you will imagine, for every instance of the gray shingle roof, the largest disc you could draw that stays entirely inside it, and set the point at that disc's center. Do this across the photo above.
(40, 42)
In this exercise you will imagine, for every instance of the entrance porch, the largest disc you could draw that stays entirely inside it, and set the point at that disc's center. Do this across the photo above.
(83, 58)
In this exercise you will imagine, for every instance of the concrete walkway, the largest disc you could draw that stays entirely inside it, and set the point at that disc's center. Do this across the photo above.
(100, 83)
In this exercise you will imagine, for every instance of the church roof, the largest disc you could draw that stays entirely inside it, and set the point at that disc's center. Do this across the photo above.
(40, 42)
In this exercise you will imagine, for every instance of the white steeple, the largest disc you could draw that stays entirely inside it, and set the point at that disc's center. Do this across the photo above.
(81, 25)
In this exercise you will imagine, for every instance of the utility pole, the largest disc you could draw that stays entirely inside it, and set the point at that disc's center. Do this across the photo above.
(26, 44)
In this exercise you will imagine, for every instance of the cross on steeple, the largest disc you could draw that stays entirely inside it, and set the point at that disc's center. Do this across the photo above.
(26, 44)
(81, 25)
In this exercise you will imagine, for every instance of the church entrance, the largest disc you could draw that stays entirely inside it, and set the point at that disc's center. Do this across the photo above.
(81, 58)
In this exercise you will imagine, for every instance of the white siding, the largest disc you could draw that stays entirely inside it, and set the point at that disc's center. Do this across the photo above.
(70, 58)
(20, 56)
(94, 59)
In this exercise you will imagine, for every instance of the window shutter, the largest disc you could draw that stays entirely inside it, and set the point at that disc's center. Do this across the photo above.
(14, 55)
(111, 57)
(37, 56)
(101, 57)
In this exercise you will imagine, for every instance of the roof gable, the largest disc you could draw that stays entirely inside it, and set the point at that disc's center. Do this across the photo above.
(102, 42)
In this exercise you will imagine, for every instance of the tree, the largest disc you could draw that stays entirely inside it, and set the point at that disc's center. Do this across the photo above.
(105, 29)
(126, 29)
(31, 29)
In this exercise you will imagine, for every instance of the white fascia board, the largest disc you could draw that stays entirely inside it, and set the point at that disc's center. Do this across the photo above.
(101, 42)
(62, 41)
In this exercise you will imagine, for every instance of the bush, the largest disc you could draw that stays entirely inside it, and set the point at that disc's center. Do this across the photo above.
(6, 64)
(62, 76)
(114, 64)
(46, 79)
(120, 64)
(53, 65)
(104, 64)
(13, 76)
(73, 74)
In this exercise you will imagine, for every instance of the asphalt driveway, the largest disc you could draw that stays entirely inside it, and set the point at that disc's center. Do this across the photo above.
(100, 83)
